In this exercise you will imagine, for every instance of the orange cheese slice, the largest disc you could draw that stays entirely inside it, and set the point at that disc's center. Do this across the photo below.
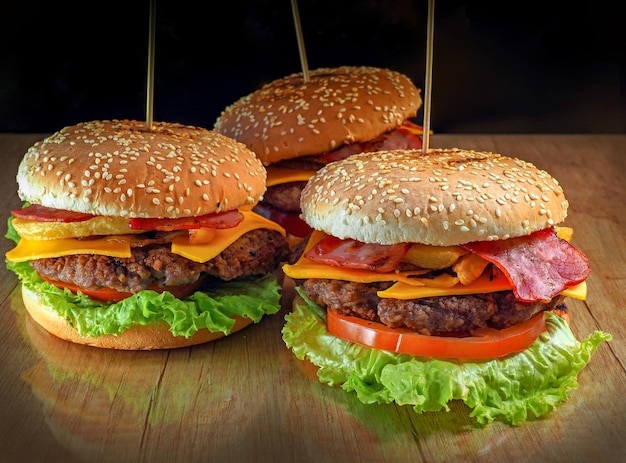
(305, 269)
(41, 249)
(482, 284)
(223, 238)
(119, 246)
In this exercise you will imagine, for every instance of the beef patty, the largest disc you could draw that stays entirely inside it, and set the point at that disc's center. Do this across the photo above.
(285, 196)
(430, 315)
(152, 263)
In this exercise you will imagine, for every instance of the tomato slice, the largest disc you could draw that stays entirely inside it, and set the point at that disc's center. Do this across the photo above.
(113, 295)
(486, 343)
(40, 213)
(290, 221)
(228, 219)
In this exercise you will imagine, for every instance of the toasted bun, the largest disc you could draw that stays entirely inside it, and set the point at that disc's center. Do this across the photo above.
(288, 117)
(139, 337)
(445, 197)
(121, 168)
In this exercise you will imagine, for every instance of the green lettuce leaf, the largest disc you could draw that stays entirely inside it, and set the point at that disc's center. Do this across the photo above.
(11, 232)
(512, 389)
(211, 309)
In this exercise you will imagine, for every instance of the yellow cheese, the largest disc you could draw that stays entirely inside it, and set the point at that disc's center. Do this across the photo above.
(223, 238)
(408, 285)
(279, 175)
(40, 249)
(483, 284)
(306, 269)
(577, 292)
(565, 233)
(119, 246)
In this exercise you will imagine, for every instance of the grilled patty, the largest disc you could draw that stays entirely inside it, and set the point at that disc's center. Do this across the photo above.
(285, 196)
(256, 253)
(431, 315)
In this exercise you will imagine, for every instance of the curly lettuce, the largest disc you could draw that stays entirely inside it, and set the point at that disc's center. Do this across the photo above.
(210, 309)
(512, 389)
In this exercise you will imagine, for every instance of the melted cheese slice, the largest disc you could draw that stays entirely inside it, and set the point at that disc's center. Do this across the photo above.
(408, 284)
(41, 249)
(280, 175)
(305, 269)
(119, 246)
(483, 284)
(223, 238)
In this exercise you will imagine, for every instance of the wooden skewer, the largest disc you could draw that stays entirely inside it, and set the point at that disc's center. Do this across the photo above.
(296, 20)
(430, 32)
(150, 77)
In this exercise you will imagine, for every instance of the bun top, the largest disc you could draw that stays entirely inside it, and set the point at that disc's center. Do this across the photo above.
(444, 197)
(121, 168)
(289, 117)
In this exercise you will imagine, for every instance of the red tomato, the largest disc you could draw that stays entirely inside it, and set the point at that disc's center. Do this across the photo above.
(229, 219)
(112, 295)
(484, 344)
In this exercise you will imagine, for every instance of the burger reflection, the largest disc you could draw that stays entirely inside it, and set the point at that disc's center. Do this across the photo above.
(112, 405)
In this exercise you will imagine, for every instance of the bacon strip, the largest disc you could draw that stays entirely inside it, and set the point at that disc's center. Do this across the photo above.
(228, 219)
(40, 213)
(539, 266)
(357, 255)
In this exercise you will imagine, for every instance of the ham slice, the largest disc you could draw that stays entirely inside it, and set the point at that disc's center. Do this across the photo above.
(540, 266)
(357, 255)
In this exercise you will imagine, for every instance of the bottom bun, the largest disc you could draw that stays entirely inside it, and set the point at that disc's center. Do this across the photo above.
(138, 337)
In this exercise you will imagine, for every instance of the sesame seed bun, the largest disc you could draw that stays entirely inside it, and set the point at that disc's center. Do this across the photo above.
(289, 118)
(137, 337)
(445, 197)
(101, 167)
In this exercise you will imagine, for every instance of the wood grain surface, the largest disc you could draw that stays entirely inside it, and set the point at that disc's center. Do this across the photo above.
(247, 398)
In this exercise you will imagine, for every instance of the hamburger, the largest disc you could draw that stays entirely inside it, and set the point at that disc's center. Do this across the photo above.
(137, 239)
(296, 127)
(440, 276)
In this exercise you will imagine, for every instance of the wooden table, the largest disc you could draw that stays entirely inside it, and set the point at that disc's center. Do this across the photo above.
(247, 398)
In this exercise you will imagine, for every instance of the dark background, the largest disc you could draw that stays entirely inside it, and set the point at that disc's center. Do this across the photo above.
(499, 67)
